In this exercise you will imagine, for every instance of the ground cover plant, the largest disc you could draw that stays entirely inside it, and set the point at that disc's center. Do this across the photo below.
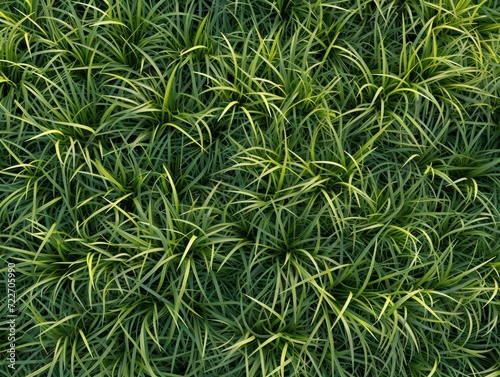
(251, 187)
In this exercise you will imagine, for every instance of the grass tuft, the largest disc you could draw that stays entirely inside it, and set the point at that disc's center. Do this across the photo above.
(251, 188)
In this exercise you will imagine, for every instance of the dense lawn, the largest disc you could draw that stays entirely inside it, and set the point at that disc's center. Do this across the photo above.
(251, 187)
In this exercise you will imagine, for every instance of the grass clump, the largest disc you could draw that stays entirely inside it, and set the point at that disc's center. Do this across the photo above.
(251, 188)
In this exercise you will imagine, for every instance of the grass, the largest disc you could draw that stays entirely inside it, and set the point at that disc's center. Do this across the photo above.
(251, 188)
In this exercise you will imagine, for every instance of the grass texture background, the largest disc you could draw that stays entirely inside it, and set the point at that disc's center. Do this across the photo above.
(251, 187)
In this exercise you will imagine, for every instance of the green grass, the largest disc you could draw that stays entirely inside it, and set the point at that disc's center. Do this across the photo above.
(251, 187)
